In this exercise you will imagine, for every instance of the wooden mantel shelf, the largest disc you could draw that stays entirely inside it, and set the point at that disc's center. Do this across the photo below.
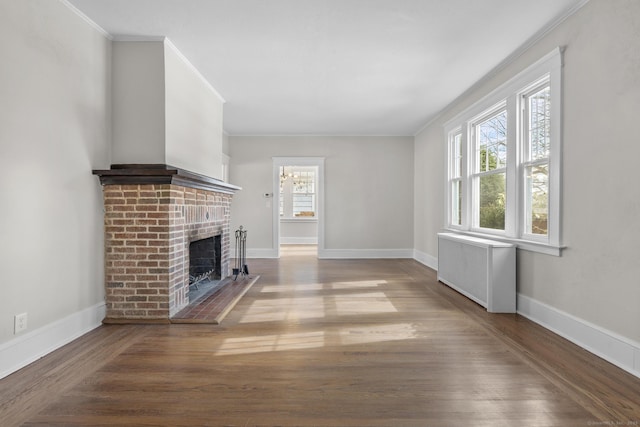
(123, 174)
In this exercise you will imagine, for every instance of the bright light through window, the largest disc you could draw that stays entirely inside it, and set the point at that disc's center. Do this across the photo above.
(298, 191)
(504, 160)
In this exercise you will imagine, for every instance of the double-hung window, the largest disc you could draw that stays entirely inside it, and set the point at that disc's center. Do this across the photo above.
(536, 138)
(503, 157)
(297, 192)
(489, 171)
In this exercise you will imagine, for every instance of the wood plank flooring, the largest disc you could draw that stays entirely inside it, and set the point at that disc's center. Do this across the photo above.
(327, 343)
(213, 307)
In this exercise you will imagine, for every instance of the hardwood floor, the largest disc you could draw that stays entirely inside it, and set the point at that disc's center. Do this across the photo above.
(327, 343)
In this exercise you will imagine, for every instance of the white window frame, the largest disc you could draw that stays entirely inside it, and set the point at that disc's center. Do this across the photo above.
(510, 96)
(287, 197)
(473, 176)
(524, 162)
(452, 153)
(275, 206)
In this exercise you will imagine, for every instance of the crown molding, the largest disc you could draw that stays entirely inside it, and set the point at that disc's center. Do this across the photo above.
(86, 19)
(507, 61)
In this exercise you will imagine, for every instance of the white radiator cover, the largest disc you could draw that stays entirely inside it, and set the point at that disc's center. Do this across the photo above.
(481, 269)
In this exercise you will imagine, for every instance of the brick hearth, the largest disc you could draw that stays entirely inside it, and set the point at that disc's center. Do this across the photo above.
(148, 228)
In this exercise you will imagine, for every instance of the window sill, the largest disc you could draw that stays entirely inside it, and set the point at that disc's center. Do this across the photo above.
(525, 245)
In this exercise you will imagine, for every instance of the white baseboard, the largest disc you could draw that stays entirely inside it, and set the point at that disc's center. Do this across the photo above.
(426, 259)
(364, 253)
(27, 348)
(608, 345)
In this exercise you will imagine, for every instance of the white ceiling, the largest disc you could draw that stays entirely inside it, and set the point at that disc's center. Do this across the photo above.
(334, 67)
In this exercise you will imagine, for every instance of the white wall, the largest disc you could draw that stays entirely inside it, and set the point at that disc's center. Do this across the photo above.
(429, 169)
(225, 144)
(59, 80)
(55, 110)
(163, 111)
(193, 118)
(368, 189)
(138, 102)
(597, 278)
(295, 232)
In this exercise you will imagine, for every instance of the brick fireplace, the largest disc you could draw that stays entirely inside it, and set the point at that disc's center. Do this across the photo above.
(152, 214)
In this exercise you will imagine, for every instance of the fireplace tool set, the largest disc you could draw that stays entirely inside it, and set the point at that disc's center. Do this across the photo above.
(241, 253)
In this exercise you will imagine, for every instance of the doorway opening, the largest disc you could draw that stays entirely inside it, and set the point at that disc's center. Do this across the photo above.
(298, 208)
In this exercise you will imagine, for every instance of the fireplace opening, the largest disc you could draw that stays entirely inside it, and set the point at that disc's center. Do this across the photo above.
(204, 265)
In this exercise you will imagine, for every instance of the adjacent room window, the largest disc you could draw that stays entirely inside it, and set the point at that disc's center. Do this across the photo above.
(298, 192)
(503, 177)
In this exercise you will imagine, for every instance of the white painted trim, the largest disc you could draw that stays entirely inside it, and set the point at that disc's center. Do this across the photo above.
(167, 42)
(324, 135)
(506, 62)
(426, 259)
(507, 96)
(608, 345)
(298, 240)
(129, 38)
(86, 19)
(298, 220)
(194, 69)
(546, 65)
(526, 245)
(27, 348)
(297, 161)
(364, 253)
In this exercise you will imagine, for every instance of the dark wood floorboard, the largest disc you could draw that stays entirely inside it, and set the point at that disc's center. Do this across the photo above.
(213, 307)
(327, 343)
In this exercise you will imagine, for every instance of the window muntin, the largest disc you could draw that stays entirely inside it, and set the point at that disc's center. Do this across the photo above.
(522, 172)
(304, 194)
(297, 192)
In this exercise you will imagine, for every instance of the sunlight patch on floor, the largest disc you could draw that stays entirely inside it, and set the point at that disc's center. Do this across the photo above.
(317, 307)
(316, 339)
(319, 286)
(272, 310)
(363, 303)
(267, 343)
(358, 284)
(293, 287)
(369, 334)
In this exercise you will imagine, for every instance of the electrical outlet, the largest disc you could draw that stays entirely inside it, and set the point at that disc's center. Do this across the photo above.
(20, 323)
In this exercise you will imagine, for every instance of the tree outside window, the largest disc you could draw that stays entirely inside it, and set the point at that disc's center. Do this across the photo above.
(491, 149)
(504, 161)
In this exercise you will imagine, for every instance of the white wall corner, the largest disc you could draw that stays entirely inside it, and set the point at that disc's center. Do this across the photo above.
(613, 348)
(85, 18)
(27, 348)
(426, 259)
(192, 67)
